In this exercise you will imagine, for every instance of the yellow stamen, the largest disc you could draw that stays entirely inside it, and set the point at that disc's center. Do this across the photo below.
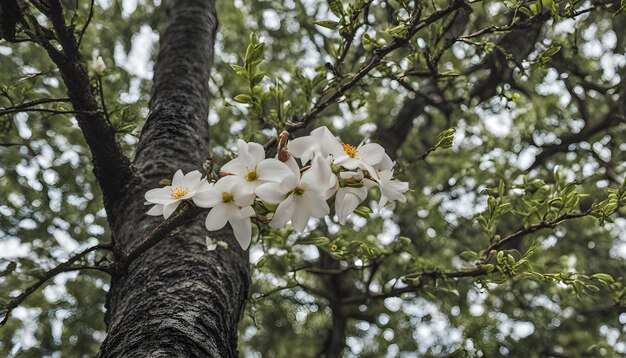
(298, 191)
(226, 197)
(179, 192)
(350, 150)
(251, 176)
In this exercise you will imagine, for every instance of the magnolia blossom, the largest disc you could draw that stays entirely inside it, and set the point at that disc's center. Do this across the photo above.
(299, 197)
(351, 190)
(167, 199)
(336, 169)
(324, 143)
(98, 66)
(390, 189)
(347, 199)
(252, 169)
(321, 141)
(230, 203)
(365, 156)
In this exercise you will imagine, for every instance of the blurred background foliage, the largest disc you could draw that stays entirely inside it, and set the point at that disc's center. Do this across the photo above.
(533, 109)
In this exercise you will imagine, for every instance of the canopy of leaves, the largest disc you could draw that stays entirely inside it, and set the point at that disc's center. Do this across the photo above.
(507, 118)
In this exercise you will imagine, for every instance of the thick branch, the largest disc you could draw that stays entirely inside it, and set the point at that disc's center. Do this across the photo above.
(371, 61)
(180, 94)
(518, 43)
(111, 167)
(155, 236)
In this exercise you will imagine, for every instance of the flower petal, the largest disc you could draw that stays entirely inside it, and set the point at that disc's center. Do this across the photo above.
(349, 203)
(318, 176)
(169, 209)
(156, 210)
(299, 146)
(257, 152)
(271, 192)
(242, 228)
(178, 179)
(315, 204)
(371, 153)
(192, 179)
(244, 199)
(293, 166)
(283, 213)
(329, 144)
(246, 212)
(208, 198)
(217, 217)
(159, 196)
(272, 170)
(235, 167)
(301, 215)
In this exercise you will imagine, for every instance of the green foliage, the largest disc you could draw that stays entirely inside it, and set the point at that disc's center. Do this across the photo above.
(491, 255)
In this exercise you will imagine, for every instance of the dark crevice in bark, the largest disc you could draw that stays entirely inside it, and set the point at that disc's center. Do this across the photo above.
(176, 299)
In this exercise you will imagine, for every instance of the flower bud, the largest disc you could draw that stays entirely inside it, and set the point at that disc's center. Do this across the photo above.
(97, 66)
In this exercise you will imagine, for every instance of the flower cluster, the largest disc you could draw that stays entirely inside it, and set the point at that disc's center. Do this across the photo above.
(288, 191)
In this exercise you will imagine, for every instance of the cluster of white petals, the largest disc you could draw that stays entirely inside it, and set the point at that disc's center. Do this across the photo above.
(287, 191)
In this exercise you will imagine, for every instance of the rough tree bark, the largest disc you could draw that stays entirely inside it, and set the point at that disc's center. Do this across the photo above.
(176, 299)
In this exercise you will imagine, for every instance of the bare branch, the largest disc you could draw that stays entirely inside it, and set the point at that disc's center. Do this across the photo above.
(60, 268)
(533, 228)
(185, 214)
(371, 61)
(111, 166)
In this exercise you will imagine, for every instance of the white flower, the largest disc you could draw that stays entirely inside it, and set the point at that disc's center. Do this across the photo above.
(347, 199)
(98, 66)
(168, 198)
(321, 141)
(230, 204)
(365, 156)
(252, 169)
(299, 197)
(390, 189)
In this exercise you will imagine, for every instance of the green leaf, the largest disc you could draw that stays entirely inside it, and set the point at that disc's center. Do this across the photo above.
(336, 7)
(329, 24)
(243, 98)
(369, 43)
(603, 277)
(363, 211)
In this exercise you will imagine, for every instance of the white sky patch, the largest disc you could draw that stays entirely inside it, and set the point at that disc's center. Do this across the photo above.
(11, 248)
(271, 20)
(527, 156)
(105, 4)
(137, 61)
(65, 240)
(22, 125)
(128, 8)
(24, 338)
(498, 124)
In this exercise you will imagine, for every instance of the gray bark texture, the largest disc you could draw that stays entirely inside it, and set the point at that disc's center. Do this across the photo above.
(176, 299)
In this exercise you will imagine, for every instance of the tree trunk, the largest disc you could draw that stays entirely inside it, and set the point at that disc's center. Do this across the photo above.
(177, 299)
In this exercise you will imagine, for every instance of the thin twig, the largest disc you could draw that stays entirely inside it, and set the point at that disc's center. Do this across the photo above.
(60, 268)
